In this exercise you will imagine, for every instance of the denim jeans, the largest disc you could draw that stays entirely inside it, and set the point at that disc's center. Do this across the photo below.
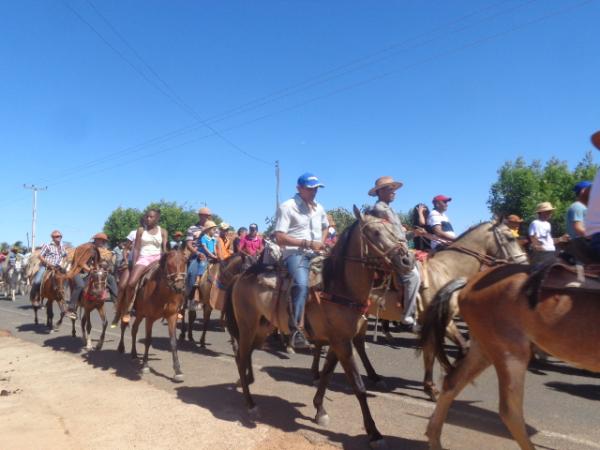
(411, 282)
(39, 276)
(192, 270)
(595, 246)
(202, 265)
(79, 284)
(298, 266)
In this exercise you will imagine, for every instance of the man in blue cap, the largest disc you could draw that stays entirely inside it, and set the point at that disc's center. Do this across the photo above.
(578, 210)
(300, 231)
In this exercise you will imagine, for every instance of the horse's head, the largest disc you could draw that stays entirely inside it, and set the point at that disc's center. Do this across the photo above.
(57, 279)
(175, 270)
(97, 281)
(382, 242)
(506, 245)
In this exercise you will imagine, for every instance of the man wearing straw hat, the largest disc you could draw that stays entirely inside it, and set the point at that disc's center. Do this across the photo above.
(385, 190)
(540, 232)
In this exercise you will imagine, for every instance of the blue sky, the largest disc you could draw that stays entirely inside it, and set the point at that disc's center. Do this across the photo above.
(436, 94)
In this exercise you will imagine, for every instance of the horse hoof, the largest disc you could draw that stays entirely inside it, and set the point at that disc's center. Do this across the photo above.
(433, 394)
(178, 377)
(322, 420)
(145, 369)
(254, 413)
(238, 384)
(378, 444)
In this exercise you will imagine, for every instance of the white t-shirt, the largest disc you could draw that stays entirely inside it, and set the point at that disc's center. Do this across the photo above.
(297, 220)
(438, 218)
(592, 220)
(542, 230)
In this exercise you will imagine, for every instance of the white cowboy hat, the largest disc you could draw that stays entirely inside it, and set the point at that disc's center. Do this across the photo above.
(382, 182)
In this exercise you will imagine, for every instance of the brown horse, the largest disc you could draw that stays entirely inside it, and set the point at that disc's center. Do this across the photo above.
(159, 297)
(253, 310)
(53, 290)
(507, 312)
(92, 298)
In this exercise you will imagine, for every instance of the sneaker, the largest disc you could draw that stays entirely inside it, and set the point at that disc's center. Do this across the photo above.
(408, 320)
(70, 314)
(298, 341)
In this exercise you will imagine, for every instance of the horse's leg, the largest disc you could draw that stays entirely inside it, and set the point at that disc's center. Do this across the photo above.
(243, 359)
(49, 314)
(314, 368)
(359, 345)
(322, 418)
(147, 342)
(343, 350)
(121, 346)
(104, 325)
(191, 320)
(172, 324)
(35, 315)
(465, 372)
(83, 328)
(134, 330)
(183, 326)
(205, 321)
(511, 370)
(428, 360)
(88, 325)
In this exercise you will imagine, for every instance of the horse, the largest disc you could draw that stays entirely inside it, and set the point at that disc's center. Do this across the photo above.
(53, 290)
(92, 298)
(334, 317)
(160, 295)
(507, 311)
(13, 276)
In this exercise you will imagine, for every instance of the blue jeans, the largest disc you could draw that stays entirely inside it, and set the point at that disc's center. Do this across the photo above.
(78, 285)
(298, 266)
(192, 270)
(595, 246)
(202, 265)
(39, 275)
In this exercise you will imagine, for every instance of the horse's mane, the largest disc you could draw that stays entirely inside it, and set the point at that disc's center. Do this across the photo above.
(471, 229)
(334, 266)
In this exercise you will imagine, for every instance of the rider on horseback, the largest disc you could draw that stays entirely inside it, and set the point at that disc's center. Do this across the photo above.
(300, 229)
(51, 255)
(385, 189)
(85, 256)
(191, 239)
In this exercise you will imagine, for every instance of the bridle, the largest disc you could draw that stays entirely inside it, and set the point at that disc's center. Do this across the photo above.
(502, 256)
(173, 278)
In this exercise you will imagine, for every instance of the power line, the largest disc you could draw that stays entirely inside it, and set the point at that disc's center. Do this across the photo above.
(290, 90)
(349, 87)
(171, 96)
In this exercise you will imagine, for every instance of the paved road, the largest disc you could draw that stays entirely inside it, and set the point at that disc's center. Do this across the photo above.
(560, 402)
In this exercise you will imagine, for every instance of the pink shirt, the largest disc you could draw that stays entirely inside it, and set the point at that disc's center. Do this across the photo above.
(251, 246)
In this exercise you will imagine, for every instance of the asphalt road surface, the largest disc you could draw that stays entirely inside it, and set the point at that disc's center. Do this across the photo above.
(560, 401)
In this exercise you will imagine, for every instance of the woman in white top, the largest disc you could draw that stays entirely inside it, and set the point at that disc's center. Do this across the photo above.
(150, 244)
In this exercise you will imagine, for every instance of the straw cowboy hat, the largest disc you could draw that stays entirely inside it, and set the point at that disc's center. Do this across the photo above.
(382, 182)
(224, 226)
(544, 206)
(208, 225)
(100, 236)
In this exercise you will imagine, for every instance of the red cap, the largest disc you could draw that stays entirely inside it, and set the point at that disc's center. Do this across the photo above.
(441, 198)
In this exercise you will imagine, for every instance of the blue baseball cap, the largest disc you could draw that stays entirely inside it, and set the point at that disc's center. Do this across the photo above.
(308, 180)
(581, 186)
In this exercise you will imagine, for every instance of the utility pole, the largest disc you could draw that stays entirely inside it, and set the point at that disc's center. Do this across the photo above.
(276, 185)
(35, 190)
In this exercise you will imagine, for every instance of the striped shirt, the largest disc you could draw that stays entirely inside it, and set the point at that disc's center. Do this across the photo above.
(52, 253)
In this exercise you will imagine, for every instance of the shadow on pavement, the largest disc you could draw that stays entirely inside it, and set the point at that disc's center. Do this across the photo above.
(226, 403)
(540, 367)
(162, 343)
(123, 364)
(465, 415)
(587, 391)
(41, 328)
(64, 343)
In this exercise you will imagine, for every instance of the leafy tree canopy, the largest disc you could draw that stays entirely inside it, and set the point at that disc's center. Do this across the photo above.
(521, 186)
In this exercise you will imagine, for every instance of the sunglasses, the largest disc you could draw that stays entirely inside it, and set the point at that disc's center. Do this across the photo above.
(57, 236)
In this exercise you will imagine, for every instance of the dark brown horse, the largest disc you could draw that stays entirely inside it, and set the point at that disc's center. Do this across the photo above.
(253, 310)
(159, 297)
(92, 298)
(507, 312)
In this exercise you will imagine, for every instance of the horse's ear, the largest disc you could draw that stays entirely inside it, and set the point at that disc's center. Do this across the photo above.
(357, 213)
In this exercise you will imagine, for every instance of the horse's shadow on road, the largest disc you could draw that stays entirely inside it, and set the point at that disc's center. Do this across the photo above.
(40, 328)
(587, 391)
(123, 364)
(226, 403)
(65, 343)
(164, 344)
(539, 367)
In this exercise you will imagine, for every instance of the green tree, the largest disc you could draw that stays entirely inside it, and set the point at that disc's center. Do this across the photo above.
(520, 187)
(4, 246)
(120, 223)
(342, 217)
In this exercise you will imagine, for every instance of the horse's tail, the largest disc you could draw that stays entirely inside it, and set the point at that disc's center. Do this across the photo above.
(229, 313)
(436, 319)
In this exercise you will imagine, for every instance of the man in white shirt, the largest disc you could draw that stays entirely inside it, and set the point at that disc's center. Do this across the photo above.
(543, 247)
(439, 224)
(300, 230)
(592, 219)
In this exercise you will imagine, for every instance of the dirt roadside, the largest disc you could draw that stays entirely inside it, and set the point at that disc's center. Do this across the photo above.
(50, 400)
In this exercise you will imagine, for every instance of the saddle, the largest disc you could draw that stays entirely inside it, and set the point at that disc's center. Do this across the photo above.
(145, 277)
(560, 276)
